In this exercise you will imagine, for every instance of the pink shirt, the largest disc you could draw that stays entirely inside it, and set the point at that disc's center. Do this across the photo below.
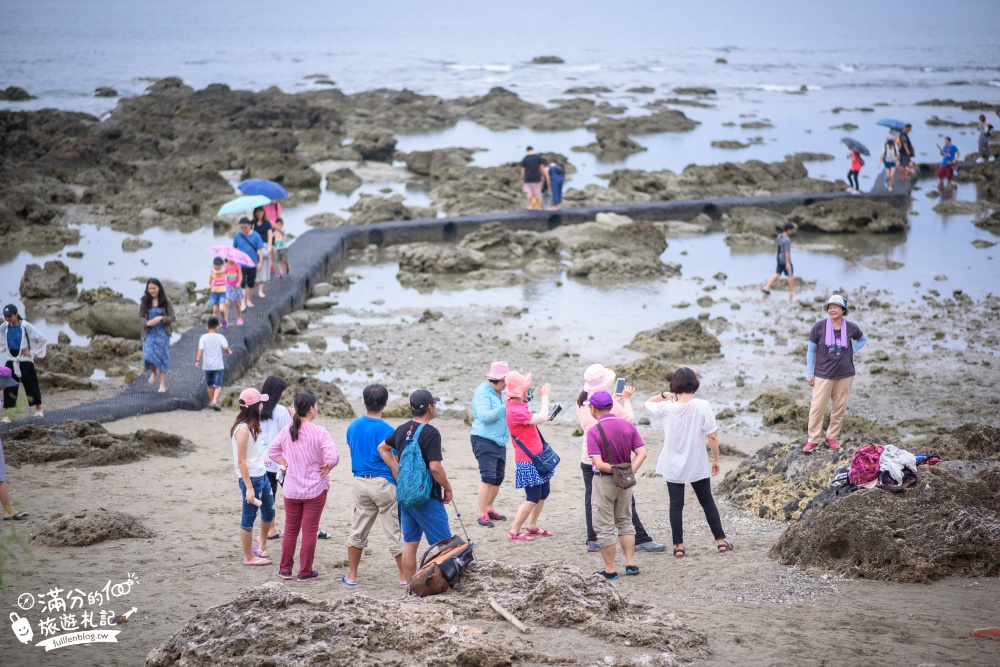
(519, 424)
(587, 422)
(305, 457)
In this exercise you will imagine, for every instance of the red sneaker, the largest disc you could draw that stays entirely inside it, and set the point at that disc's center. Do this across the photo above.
(832, 444)
(810, 446)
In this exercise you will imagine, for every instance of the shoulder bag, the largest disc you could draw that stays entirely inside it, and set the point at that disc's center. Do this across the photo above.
(621, 473)
(545, 461)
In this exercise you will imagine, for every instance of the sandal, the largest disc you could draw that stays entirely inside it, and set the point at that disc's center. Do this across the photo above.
(258, 552)
(724, 548)
(518, 537)
(541, 532)
(679, 552)
(19, 516)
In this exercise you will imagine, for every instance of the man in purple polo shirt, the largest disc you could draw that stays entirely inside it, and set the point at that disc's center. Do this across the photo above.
(616, 439)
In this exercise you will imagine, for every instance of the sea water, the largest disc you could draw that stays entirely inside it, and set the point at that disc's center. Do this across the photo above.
(790, 63)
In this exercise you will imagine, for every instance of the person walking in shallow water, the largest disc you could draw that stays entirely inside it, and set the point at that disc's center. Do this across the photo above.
(157, 317)
(830, 370)
(784, 265)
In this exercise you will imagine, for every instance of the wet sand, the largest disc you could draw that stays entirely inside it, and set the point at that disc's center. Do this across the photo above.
(753, 610)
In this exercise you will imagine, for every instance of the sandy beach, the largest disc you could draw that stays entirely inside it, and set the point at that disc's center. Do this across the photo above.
(752, 610)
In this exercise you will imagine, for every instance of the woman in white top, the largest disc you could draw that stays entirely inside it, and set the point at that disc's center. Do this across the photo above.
(273, 418)
(687, 422)
(248, 457)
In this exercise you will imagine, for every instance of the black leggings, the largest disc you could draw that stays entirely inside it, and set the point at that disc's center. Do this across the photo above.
(852, 180)
(29, 380)
(702, 489)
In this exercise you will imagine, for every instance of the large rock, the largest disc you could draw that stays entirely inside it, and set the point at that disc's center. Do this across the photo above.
(325, 220)
(850, 215)
(661, 120)
(115, 317)
(331, 400)
(943, 527)
(627, 249)
(53, 281)
(343, 180)
(500, 243)
(84, 527)
(611, 142)
(439, 258)
(754, 220)
(681, 339)
(377, 145)
(371, 208)
(87, 443)
(647, 372)
(439, 163)
(15, 94)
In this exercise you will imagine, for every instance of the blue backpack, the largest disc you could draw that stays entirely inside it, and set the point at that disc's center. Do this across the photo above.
(414, 483)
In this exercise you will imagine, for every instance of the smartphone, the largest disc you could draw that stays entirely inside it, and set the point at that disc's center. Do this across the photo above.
(531, 393)
(620, 387)
(556, 409)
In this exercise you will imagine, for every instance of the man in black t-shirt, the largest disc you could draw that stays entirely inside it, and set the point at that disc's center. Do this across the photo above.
(531, 179)
(429, 520)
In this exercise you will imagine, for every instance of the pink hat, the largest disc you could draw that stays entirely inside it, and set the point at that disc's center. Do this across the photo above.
(250, 397)
(498, 370)
(517, 385)
(597, 378)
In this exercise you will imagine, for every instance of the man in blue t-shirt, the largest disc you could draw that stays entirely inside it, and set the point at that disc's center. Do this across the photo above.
(374, 485)
(949, 160)
(252, 244)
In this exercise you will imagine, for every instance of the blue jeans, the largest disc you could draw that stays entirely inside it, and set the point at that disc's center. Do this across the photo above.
(261, 491)
(429, 520)
(214, 378)
(217, 298)
(492, 460)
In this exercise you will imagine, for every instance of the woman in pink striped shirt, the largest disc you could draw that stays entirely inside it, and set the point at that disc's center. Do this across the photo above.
(309, 453)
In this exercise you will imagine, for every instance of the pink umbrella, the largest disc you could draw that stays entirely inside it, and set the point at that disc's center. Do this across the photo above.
(228, 252)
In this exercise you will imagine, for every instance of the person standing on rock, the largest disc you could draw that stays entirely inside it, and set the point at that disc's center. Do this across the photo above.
(248, 457)
(265, 230)
(784, 261)
(985, 131)
(906, 154)
(531, 179)
(308, 454)
(949, 159)
(157, 317)
(830, 370)
(250, 242)
(613, 441)
(890, 156)
(528, 442)
(687, 422)
(374, 485)
(489, 436)
(556, 178)
(598, 378)
(429, 519)
(20, 344)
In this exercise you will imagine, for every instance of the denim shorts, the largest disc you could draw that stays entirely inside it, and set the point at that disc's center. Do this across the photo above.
(429, 520)
(214, 378)
(492, 460)
(217, 298)
(261, 491)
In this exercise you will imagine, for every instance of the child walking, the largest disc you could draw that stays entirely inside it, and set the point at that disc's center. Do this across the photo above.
(217, 286)
(280, 250)
(234, 293)
(852, 175)
(212, 344)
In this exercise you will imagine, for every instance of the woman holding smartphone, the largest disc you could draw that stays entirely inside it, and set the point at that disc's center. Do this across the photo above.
(523, 427)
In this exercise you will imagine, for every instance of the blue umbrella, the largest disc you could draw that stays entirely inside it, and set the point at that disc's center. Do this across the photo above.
(892, 123)
(258, 186)
(244, 203)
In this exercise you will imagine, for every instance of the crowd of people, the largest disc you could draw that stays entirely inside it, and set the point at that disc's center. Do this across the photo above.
(281, 448)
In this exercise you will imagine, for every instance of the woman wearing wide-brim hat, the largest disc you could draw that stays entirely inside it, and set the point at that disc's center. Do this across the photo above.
(830, 370)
